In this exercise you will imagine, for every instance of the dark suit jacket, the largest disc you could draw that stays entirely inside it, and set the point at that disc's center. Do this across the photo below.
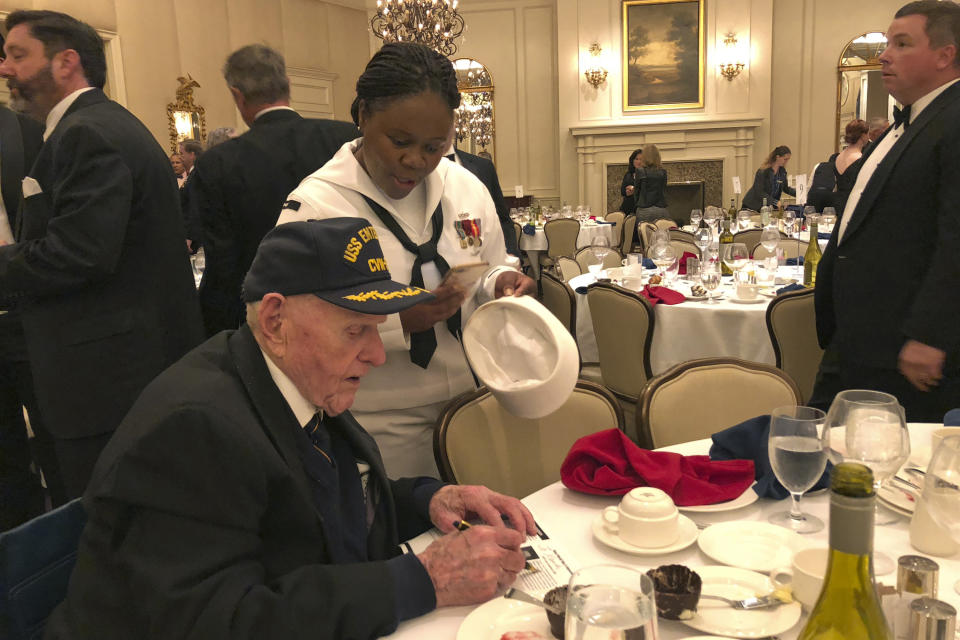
(895, 274)
(236, 191)
(20, 141)
(769, 185)
(100, 269)
(487, 173)
(202, 522)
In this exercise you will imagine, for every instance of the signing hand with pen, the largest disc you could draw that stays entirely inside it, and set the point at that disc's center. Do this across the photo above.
(453, 503)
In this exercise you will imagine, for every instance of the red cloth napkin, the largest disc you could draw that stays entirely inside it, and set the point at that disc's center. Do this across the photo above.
(656, 294)
(682, 270)
(607, 463)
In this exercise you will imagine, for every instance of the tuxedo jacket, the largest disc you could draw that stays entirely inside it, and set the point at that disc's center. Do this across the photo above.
(202, 523)
(896, 273)
(20, 141)
(100, 270)
(236, 191)
(487, 174)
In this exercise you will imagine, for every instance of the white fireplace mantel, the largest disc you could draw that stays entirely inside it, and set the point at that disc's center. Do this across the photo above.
(729, 139)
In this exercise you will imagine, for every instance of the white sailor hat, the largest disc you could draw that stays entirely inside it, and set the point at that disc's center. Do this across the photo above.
(522, 353)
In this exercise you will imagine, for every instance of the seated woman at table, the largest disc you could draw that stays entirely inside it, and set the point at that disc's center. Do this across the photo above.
(429, 214)
(651, 183)
(834, 179)
(628, 186)
(770, 180)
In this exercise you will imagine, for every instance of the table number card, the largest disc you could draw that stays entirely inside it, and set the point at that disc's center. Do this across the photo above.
(736, 185)
(801, 188)
(518, 190)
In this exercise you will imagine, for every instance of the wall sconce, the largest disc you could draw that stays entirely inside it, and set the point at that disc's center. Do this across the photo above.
(595, 73)
(730, 58)
(185, 118)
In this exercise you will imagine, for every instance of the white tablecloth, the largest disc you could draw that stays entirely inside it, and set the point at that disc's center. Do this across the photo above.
(566, 516)
(537, 243)
(693, 329)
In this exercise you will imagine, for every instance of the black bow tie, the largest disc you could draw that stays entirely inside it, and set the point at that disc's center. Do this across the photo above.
(901, 116)
(452, 157)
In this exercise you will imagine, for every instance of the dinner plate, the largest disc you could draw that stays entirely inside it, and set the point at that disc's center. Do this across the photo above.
(688, 535)
(897, 498)
(747, 497)
(492, 619)
(746, 301)
(713, 616)
(758, 546)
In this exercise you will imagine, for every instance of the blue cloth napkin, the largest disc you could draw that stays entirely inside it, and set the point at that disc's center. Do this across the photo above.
(796, 286)
(748, 441)
(529, 229)
(952, 418)
(793, 261)
(823, 235)
(649, 264)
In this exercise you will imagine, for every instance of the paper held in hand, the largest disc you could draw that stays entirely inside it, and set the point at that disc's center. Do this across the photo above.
(465, 276)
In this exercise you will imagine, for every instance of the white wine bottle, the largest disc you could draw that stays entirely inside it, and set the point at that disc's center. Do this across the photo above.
(811, 259)
(848, 607)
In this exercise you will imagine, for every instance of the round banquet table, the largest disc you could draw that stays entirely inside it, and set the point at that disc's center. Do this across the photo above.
(566, 515)
(693, 329)
(537, 243)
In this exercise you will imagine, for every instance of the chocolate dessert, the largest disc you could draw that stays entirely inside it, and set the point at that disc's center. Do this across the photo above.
(557, 597)
(677, 589)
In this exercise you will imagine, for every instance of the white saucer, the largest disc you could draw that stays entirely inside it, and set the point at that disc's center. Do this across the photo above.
(745, 301)
(717, 617)
(688, 535)
(757, 546)
(747, 497)
(897, 498)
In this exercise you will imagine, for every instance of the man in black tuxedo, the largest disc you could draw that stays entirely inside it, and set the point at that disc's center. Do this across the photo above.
(487, 173)
(240, 499)
(99, 271)
(21, 497)
(237, 188)
(886, 295)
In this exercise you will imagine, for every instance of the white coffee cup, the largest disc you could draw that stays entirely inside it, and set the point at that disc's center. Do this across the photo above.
(926, 536)
(594, 269)
(804, 576)
(747, 291)
(646, 517)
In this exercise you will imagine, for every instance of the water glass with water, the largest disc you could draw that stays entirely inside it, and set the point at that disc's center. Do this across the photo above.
(797, 446)
(610, 602)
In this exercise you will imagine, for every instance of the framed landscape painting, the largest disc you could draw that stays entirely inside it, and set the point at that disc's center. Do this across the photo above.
(663, 51)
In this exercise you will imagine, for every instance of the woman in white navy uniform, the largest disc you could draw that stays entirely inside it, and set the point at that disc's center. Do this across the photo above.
(430, 214)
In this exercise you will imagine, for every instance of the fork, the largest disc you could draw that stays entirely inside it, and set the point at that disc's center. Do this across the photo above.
(747, 604)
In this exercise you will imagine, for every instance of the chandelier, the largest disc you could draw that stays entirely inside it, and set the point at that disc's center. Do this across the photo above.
(475, 118)
(434, 23)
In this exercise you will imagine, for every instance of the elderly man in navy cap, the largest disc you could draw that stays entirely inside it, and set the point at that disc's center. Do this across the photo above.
(240, 499)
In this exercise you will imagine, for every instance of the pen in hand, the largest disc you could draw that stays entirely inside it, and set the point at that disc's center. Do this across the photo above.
(463, 525)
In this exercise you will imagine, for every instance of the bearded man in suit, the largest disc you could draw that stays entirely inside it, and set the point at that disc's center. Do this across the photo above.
(886, 295)
(99, 271)
(237, 188)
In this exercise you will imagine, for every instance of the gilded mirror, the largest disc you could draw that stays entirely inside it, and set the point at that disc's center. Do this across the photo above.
(860, 90)
(185, 118)
(475, 116)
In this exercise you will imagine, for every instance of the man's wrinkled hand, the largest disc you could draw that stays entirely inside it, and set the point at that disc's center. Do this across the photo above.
(472, 566)
(463, 502)
(921, 364)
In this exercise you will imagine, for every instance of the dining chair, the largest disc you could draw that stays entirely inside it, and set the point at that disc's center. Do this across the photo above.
(568, 268)
(623, 324)
(679, 234)
(616, 218)
(476, 441)
(36, 560)
(646, 231)
(561, 236)
(748, 238)
(558, 298)
(629, 230)
(791, 249)
(682, 246)
(665, 224)
(698, 398)
(791, 323)
(585, 257)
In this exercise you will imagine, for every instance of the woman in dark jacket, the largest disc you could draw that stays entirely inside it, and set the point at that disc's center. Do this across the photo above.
(770, 180)
(628, 186)
(651, 181)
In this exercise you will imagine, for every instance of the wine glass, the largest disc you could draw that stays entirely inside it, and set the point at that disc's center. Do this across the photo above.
(610, 601)
(710, 278)
(600, 247)
(941, 489)
(770, 238)
(702, 238)
(696, 215)
(743, 220)
(735, 255)
(828, 219)
(789, 224)
(797, 447)
(663, 255)
(712, 217)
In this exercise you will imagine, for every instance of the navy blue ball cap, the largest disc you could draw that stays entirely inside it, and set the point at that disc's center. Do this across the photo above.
(338, 260)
